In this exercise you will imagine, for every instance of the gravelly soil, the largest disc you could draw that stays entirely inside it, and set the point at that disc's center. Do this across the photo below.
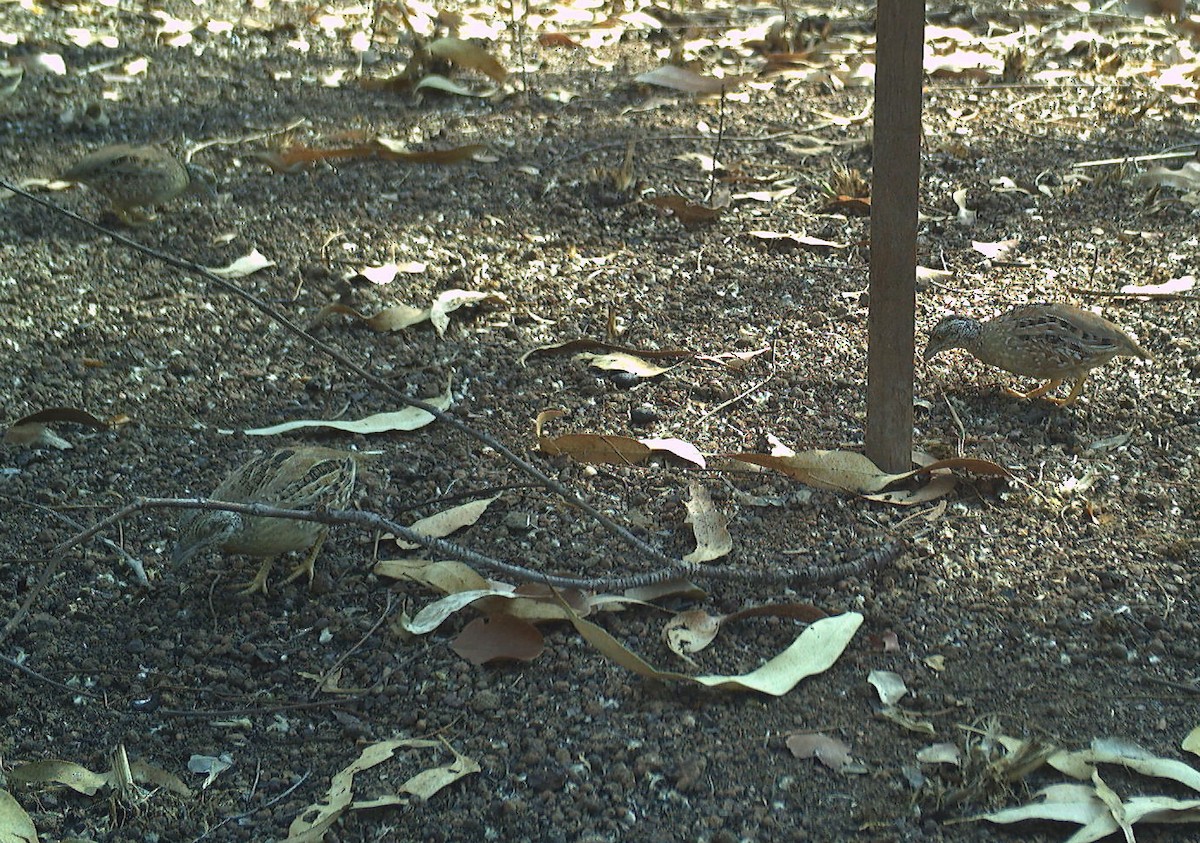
(1061, 602)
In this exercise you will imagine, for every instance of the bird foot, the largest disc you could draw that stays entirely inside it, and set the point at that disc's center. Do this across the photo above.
(1040, 392)
(305, 567)
(259, 583)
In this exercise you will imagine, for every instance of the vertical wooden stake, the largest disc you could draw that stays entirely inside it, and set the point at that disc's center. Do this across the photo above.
(896, 171)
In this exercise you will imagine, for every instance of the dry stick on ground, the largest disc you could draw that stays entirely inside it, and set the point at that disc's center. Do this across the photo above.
(673, 566)
(1109, 294)
(875, 558)
(878, 557)
(133, 562)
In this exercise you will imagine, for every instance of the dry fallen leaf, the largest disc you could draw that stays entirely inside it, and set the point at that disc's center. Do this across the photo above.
(620, 361)
(888, 685)
(16, 826)
(1192, 742)
(687, 212)
(580, 345)
(830, 751)
(407, 419)
(1168, 288)
(448, 521)
(940, 753)
(802, 241)
(709, 526)
(315, 821)
(243, 266)
(468, 55)
(682, 79)
(56, 771)
(1002, 250)
(691, 631)
(498, 638)
(814, 651)
(849, 471)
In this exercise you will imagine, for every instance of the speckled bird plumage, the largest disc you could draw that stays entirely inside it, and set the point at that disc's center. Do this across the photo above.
(137, 177)
(290, 478)
(1056, 342)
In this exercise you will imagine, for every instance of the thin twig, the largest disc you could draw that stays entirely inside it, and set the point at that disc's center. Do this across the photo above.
(962, 431)
(674, 569)
(133, 562)
(76, 691)
(1135, 159)
(1108, 294)
(391, 603)
(284, 795)
(750, 391)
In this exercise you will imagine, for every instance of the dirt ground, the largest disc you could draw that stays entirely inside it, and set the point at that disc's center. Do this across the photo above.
(1060, 604)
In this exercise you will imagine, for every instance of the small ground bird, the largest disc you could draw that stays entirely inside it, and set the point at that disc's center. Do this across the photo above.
(1056, 342)
(137, 177)
(290, 478)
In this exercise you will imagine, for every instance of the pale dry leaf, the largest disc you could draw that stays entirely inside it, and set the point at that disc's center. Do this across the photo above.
(1168, 288)
(907, 720)
(849, 471)
(243, 266)
(386, 273)
(35, 436)
(1191, 743)
(56, 771)
(814, 651)
(795, 240)
(682, 79)
(940, 753)
(448, 521)
(924, 273)
(1060, 803)
(709, 526)
(1001, 250)
(315, 821)
(210, 766)
(619, 361)
(407, 419)
(578, 345)
(1115, 808)
(468, 55)
(830, 751)
(146, 773)
(684, 450)
(965, 215)
(890, 686)
(448, 577)
(1140, 760)
(1186, 177)
(16, 826)
(451, 300)
(436, 82)
(691, 631)
(436, 613)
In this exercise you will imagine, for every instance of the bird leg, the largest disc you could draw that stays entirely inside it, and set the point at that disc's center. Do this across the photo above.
(1049, 386)
(259, 583)
(1075, 390)
(306, 567)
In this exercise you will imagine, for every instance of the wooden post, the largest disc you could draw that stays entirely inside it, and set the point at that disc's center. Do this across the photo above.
(896, 171)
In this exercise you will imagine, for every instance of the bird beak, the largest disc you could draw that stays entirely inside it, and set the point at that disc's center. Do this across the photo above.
(931, 351)
(182, 553)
